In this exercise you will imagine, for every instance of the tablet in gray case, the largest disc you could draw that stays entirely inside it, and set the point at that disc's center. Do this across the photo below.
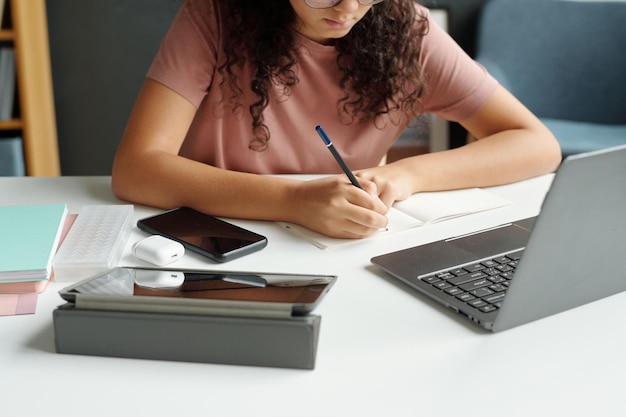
(137, 313)
(279, 343)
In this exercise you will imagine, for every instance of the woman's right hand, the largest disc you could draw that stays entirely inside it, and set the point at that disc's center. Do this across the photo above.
(334, 207)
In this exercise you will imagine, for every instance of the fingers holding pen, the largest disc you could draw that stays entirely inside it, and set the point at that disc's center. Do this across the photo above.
(390, 181)
(363, 215)
(384, 192)
(374, 202)
(359, 212)
(336, 208)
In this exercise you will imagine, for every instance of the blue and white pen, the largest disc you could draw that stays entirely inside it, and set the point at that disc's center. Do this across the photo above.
(338, 158)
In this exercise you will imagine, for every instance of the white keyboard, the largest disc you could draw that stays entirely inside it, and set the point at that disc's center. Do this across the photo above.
(94, 243)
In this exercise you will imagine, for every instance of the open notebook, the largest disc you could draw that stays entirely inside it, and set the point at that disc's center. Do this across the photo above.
(418, 210)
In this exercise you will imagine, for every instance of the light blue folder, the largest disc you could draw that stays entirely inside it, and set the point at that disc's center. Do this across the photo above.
(29, 236)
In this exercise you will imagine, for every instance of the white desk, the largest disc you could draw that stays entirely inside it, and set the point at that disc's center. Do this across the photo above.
(384, 350)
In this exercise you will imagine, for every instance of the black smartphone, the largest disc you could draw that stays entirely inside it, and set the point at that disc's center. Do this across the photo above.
(207, 235)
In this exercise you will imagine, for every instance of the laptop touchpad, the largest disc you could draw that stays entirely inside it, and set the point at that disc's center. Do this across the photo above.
(491, 242)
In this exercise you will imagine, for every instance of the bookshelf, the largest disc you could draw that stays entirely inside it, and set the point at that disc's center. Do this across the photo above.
(25, 27)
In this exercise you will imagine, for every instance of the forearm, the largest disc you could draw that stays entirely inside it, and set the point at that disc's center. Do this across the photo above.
(502, 158)
(513, 145)
(166, 181)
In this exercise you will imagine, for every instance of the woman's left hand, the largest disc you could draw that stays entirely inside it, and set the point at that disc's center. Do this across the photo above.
(392, 182)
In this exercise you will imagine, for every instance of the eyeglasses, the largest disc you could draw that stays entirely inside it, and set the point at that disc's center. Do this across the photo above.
(327, 4)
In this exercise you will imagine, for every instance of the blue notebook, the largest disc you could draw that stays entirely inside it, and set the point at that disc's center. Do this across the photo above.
(29, 236)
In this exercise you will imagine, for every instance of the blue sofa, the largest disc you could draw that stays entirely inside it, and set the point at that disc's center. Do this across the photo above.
(566, 61)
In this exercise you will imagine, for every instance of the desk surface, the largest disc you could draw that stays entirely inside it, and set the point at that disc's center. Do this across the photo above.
(383, 349)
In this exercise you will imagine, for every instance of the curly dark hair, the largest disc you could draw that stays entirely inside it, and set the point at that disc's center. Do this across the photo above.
(378, 59)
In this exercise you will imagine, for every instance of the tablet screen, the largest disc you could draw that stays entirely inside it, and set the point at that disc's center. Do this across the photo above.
(209, 285)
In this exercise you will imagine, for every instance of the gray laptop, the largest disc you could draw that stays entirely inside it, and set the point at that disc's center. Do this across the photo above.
(573, 253)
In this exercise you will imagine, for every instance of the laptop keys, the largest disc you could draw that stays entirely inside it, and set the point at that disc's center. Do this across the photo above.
(494, 298)
(481, 285)
(465, 296)
(467, 278)
(474, 267)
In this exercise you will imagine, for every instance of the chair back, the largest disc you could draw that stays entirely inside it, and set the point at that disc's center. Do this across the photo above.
(562, 59)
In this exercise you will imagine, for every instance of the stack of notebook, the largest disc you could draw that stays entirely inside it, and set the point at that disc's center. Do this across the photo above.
(30, 236)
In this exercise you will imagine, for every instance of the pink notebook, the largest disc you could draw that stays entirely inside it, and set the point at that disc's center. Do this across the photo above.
(14, 304)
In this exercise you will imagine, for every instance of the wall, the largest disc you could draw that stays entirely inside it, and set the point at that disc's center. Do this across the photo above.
(100, 52)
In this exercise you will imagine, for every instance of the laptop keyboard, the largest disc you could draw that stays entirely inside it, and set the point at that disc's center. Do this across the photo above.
(481, 285)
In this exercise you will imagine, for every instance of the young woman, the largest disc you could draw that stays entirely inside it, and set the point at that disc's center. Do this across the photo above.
(238, 87)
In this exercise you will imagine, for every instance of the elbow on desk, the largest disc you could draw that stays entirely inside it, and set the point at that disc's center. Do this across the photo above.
(120, 188)
(545, 156)
(553, 155)
(124, 184)
(129, 185)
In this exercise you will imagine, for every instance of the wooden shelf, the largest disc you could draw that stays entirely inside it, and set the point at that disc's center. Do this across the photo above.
(6, 35)
(13, 124)
(37, 122)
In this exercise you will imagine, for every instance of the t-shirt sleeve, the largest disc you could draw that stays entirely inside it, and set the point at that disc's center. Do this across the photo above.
(187, 57)
(456, 85)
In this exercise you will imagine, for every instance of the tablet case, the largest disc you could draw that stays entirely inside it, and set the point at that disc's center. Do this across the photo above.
(284, 343)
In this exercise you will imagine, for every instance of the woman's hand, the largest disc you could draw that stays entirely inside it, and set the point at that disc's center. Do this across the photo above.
(336, 208)
(392, 183)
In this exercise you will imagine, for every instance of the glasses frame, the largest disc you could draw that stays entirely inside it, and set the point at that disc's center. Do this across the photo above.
(361, 2)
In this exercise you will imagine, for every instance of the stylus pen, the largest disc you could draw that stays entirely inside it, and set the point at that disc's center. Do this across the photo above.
(338, 158)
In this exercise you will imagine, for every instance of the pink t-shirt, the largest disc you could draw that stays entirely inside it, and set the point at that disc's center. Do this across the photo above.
(186, 63)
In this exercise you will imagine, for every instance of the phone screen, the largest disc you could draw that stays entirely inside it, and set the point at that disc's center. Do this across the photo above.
(204, 234)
